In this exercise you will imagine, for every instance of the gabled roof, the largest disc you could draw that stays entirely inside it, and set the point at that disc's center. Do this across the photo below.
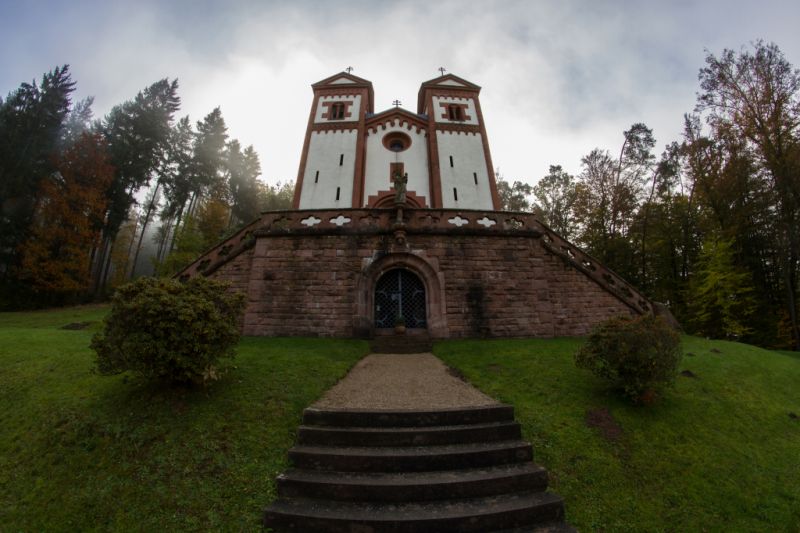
(342, 78)
(448, 81)
(397, 112)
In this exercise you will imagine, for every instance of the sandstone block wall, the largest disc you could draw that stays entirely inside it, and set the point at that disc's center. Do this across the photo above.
(492, 286)
(486, 273)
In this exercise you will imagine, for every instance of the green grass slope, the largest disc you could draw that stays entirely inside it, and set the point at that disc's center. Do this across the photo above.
(720, 452)
(80, 452)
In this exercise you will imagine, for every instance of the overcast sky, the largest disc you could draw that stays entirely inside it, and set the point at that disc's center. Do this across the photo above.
(559, 77)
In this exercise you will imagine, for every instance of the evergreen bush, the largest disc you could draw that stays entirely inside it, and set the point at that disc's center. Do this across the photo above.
(639, 355)
(167, 330)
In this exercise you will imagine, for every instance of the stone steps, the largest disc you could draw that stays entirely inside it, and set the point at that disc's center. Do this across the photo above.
(411, 343)
(406, 471)
(464, 515)
(344, 418)
(410, 459)
(408, 436)
(411, 486)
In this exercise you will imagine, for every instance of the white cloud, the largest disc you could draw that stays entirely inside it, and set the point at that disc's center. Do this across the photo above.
(558, 78)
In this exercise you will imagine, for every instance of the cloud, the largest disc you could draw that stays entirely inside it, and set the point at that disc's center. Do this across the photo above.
(558, 78)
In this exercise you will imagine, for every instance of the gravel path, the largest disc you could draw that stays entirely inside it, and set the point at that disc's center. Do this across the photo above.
(407, 381)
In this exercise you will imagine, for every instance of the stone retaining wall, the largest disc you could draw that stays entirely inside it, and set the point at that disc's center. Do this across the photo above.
(487, 274)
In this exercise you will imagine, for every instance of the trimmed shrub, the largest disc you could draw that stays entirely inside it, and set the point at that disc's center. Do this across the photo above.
(167, 330)
(639, 355)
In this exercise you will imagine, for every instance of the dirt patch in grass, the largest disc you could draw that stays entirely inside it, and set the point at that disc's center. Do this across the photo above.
(688, 374)
(456, 373)
(793, 416)
(715, 350)
(495, 368)
(603, 421)
(77, 325)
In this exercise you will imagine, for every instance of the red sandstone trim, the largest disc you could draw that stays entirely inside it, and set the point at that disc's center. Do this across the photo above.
(328, 105)
(446, 111)
(459, 128)
(435, 85)
(385, 199)
(400, 115)
(433, 159)
(334, 126)
(488, 156)
(427, 269)
(359, 177)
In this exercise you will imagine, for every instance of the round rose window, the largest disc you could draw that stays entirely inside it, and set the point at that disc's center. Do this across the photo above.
(396, 141)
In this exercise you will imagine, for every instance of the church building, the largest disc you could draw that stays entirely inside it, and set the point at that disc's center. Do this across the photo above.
(351, 154)
(397, 219)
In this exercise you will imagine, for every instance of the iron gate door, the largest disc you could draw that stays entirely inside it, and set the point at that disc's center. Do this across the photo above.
(399, 293)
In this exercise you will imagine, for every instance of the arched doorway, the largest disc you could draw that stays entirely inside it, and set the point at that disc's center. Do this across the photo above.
(400, 293)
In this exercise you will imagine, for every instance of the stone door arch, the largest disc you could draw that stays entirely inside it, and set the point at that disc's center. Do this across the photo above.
(423, 268)
(399, 293)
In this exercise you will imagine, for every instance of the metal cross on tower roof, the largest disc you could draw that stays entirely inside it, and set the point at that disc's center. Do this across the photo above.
(442, 70)
(397, 103)
(349, 69)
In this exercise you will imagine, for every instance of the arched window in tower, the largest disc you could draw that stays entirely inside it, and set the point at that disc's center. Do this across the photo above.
(337, 111)
(454, 112)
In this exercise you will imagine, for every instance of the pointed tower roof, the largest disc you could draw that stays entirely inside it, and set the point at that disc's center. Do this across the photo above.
(447, 81)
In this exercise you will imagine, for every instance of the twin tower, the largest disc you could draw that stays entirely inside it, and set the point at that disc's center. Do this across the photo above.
(352, 154)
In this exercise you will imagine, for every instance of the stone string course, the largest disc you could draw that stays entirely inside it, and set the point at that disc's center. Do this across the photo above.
(513, 278)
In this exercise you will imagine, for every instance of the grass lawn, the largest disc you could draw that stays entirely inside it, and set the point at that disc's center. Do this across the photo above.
(721, 451)
(80, 452)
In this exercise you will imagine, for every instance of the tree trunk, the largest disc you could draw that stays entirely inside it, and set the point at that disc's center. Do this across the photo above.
(175, 229)
(148, 212)
(130, 248)
(645, 222)
(99, 263)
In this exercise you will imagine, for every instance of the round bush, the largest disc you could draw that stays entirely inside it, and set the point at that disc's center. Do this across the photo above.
(167, 330)
(639, 355)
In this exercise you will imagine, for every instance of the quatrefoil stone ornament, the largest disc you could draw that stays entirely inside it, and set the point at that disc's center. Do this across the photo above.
(458, 221)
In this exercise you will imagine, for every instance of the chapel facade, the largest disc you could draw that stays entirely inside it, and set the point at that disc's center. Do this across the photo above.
(396, 217)
(351, 154)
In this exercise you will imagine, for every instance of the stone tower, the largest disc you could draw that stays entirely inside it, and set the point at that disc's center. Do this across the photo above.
(351, 154)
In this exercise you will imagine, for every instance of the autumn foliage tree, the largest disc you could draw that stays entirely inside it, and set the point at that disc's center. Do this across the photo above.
(68, 220)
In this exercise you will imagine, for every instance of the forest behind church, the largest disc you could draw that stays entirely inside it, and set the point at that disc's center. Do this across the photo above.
(82, 198)
(711, 225)
(708, 226)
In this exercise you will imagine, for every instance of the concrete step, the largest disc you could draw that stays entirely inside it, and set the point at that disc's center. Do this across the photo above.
(410, 459)
(401, 344)
(423, 418)
(412, 486)
(465, 515)
(550, 527)
(408, 436)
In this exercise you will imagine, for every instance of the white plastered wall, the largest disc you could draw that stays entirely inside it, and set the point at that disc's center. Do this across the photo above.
(414, 159)
(468, 158)
(440, 116)
(355, 108)
(324, 151)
